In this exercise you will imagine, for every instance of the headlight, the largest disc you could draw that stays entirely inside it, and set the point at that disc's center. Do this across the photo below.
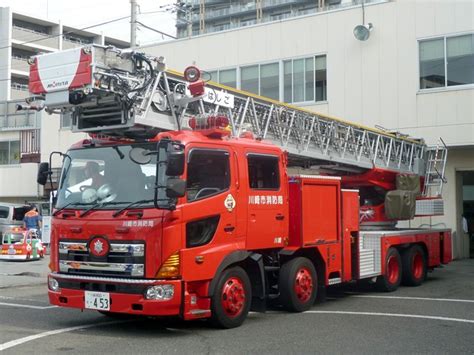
(53, 284)
(160, 292)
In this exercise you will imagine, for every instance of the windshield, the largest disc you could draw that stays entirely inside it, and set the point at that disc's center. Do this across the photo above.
(106, 175)
(12, 238)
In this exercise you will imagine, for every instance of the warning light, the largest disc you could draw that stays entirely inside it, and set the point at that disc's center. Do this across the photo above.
(214, 126)
(192, 74)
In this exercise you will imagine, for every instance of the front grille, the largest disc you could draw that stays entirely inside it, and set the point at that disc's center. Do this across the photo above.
(102, 287)
(125, 259)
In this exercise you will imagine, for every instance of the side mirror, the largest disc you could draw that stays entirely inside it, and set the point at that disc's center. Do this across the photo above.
(43, 173)
(175, 188)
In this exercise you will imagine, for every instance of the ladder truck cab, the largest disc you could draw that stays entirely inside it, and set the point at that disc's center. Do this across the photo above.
(182, 201)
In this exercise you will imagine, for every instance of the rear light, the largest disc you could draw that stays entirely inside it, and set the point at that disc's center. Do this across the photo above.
(170, 267)
(192, 74)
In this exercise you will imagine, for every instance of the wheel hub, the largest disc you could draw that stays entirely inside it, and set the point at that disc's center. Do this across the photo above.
(417, 266)
(393, 270)
(303, 285)
(233, 297)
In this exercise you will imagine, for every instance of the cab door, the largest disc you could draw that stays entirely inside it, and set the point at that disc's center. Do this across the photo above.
(267, 203)
(209, 214)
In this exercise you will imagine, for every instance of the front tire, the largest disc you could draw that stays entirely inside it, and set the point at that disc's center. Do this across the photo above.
(231, 299)
(390, 280)
(298, 284)
(414, 266)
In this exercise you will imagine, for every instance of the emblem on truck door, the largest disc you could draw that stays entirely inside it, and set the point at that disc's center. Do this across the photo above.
(229, 202)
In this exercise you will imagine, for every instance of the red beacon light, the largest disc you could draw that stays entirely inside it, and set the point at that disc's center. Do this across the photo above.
(196, 85)
(215, 126)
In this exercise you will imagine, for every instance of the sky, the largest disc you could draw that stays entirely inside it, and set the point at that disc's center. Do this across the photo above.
(84, 13)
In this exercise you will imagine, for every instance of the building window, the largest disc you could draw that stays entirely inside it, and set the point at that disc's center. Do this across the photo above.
(226, 77)
(460, 60)
(304, 80)
(447, 61)
(249, 79)
(270, 81)
(9, 152)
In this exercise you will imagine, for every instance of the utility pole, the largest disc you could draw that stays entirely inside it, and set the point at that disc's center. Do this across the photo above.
(133, 23)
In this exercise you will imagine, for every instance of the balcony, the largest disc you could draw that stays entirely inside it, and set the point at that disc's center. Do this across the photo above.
(30, 146)
(26, 35)
(20, 63)
(12, 120)
(72, 42)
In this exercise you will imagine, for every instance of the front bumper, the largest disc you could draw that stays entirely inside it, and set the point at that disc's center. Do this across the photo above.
(126, 295)
(13, 257)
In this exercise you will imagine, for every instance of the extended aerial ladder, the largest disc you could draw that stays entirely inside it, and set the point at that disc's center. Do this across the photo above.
(125, 93)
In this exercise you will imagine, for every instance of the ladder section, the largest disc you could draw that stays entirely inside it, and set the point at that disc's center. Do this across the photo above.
(126, 93)
(435, 170)
(307, 134)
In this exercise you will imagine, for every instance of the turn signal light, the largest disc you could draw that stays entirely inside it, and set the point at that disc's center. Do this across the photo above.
(170, 267)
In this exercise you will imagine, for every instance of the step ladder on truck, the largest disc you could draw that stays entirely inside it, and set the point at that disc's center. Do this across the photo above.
(181, 201)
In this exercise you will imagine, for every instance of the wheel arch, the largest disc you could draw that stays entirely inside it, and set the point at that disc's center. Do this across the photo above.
(252, 263)
(315, 257)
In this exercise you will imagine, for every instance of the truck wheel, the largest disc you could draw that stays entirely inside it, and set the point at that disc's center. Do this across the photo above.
(231, 299)
(392, 277)
(298, 284)
(413, 266)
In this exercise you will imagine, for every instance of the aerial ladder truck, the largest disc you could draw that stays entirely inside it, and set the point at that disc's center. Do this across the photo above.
(182, 201)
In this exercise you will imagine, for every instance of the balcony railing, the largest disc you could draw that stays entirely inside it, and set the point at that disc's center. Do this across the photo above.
(30, 146)
(20, 63)
(11, 119)
(27, 35)
(236, 11)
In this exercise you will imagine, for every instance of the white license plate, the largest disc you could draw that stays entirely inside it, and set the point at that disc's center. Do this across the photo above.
(97, 300)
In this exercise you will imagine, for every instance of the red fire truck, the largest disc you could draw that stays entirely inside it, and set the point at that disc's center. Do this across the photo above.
(182, 201)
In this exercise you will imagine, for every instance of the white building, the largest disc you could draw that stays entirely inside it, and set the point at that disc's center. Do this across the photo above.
(414, 74)
(26, 137)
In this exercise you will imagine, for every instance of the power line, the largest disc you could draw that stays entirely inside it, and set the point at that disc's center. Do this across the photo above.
(155, 30)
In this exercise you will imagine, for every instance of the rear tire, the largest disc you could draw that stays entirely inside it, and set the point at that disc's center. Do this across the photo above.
(298, 284)
(414, 266)
(390, 280)
(230, 303)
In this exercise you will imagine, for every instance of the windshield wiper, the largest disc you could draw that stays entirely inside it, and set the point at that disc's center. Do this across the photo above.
(69, 204)
(99, 204)
(139, 202)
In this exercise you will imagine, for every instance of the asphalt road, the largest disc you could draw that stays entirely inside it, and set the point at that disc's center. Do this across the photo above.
(437, 317)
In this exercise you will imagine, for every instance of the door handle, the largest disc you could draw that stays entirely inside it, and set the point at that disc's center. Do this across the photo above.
(279, 217)
(228, 228)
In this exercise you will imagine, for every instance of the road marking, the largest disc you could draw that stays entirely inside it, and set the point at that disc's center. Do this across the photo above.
(414, 298)
(20, 299)
(13, 343)
(398, 315)
(25, 306)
